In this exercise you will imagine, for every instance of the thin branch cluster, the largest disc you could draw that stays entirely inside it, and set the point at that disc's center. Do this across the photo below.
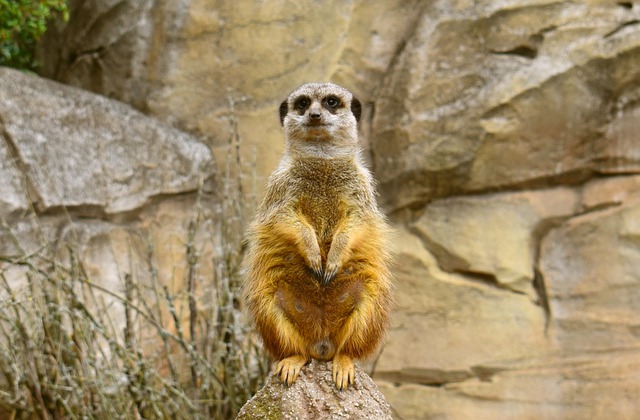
(64, 352)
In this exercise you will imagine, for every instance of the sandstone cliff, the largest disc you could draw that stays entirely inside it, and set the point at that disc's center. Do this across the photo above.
(505, 136)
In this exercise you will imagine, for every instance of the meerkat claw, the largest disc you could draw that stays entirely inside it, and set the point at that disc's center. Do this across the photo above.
(329, 274)
(344, 372)
(289, 369)
(316, 266)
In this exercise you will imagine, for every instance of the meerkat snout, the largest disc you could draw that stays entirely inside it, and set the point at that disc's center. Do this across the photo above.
(315, 114)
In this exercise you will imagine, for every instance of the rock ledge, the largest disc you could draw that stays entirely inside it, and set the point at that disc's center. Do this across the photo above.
(313, 396)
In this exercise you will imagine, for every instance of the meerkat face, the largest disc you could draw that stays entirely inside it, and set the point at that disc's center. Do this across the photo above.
(321, 113)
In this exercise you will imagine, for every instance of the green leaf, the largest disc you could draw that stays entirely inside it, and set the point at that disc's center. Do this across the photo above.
(22, 23)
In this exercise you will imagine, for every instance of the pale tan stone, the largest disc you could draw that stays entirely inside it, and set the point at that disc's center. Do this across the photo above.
(610, 192)
(488, 97)
(589, 387)
(590, 266)
(449, 323)
(193, 65)
(151, 254)
(493, 235)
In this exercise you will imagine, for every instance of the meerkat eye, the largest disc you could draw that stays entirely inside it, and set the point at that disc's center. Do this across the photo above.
(301, 103)
(332, 102)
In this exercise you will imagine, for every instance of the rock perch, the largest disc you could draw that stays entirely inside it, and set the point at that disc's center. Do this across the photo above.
(314, 396)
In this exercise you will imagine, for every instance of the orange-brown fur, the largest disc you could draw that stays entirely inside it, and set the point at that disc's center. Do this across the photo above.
(335, 308)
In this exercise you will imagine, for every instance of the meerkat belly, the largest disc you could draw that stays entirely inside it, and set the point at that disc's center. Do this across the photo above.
(319, 312)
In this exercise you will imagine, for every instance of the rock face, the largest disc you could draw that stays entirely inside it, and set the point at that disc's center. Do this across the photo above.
(80, 149)
(595, 302)
(504, 135)
(12, 200)
(488, 96)
(78, 168)
(202, 68)
(493, 236)
(313, 396)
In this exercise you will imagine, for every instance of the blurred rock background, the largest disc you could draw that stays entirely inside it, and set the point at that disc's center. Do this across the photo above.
(505, 136)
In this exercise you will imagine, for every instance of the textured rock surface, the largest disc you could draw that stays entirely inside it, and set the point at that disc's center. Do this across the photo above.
(313, 396)
(80, 149)
(504, 135)
(532, 389)
(593, 292)
(488, 96)
(493, 235)
(13, 201)
(80, 169)
(203, 67)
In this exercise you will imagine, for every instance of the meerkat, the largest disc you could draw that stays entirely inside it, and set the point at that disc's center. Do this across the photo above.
(318, 282)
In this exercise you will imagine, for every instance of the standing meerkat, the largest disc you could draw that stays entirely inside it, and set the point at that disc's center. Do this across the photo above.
(318, 282)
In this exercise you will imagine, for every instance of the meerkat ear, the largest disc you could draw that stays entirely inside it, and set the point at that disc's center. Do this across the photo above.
(356, 108)
(284, 108)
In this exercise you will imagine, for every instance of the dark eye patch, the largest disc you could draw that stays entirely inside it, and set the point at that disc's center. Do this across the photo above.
(302, 103)
(332, 102)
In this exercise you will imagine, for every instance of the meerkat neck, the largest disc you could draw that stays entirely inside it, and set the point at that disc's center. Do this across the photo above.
(322, 149)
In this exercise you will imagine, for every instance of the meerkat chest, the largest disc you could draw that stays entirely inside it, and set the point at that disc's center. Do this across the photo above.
(323, 211)
(325, 193)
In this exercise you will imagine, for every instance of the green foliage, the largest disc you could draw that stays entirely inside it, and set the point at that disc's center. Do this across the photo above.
(22, 22)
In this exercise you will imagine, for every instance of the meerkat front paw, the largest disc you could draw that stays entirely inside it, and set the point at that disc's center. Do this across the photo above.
(289, 368)
(338, 253)
(344, 371)
(334, 263)
(311, 252)
(315, 262)
(309, 247)
(330, 271)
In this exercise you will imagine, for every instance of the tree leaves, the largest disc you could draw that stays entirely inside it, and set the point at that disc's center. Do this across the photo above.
(22, 23)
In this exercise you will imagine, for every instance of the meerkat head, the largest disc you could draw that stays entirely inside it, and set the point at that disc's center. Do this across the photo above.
(321, 117)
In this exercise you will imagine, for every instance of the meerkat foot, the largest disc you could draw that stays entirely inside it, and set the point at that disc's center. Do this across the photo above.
(289, 368)
(344, 371)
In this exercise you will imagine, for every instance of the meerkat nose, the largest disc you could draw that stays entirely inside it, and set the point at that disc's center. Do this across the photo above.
(315, 111)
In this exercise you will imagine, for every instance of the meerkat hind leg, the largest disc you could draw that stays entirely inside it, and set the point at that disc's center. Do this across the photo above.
(289, 368)
(344, 371)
